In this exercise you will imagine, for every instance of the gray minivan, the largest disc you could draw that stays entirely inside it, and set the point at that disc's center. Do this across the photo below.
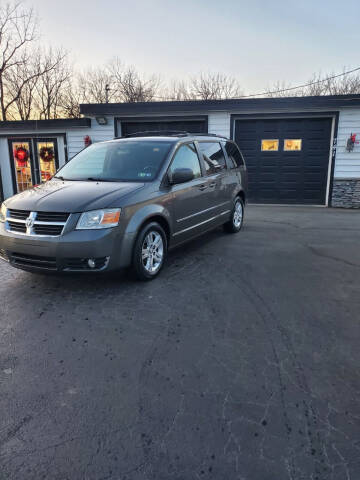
(124, 203)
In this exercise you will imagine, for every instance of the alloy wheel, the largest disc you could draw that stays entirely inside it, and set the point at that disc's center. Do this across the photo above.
(238, 214)
(152, 251)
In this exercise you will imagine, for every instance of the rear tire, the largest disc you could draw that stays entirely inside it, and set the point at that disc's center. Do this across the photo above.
(237, 217)
(149, 252)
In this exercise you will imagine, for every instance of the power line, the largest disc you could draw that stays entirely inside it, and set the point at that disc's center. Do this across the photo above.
(301, 86)
(282, 90)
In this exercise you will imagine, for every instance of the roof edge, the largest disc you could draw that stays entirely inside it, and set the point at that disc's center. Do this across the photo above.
(45, 124)
(327, 101)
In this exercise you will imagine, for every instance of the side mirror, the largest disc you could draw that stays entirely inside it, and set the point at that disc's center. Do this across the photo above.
(181, 175)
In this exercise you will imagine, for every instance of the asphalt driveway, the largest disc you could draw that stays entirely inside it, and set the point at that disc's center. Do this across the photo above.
(241, 361)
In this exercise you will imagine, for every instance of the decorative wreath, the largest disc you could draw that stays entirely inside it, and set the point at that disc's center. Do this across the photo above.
(21, 155)
(47, 154)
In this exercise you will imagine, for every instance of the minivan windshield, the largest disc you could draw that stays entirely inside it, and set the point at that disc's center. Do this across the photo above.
(122, 161)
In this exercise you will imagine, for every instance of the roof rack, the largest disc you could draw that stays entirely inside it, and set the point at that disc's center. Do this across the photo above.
(169, 133)
(208, 135)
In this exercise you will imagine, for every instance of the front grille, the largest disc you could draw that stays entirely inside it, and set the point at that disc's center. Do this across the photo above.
(33, 261)
(52, 217)
(18, 214)
(82, 263)
(40, 223)
(52, 230)
(17, 227)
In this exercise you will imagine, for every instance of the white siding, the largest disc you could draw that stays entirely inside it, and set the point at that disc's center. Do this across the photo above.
(219, 123)
(61, 150)
(347, 165)
(97, 133)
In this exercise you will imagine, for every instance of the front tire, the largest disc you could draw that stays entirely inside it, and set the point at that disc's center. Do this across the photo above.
(149, 252)
(237, 217)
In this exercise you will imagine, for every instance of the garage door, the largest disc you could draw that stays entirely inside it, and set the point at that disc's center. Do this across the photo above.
(287, 159)
(192, 126)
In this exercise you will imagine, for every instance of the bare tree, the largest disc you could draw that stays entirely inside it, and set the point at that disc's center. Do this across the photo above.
(39, 96)
(129, 86)
(92, 83)
(50, 85)
(71, 98)
(21, 64)
(17, 31)
(178, 90)
(133, 88)
(331, 84)
(113, 82)
(319, 84)
(213, 86)
(280, 89)
(23, 92)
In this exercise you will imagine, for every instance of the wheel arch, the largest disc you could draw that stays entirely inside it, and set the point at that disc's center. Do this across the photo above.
(161, 220)
(150, 213)
(241, 194)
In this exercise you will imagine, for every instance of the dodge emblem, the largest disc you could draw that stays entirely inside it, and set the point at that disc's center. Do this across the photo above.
(29, 222)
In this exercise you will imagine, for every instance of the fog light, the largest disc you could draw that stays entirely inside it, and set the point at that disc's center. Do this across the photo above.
(91, 263)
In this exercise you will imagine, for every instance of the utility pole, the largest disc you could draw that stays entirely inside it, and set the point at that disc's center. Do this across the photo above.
(107, 90)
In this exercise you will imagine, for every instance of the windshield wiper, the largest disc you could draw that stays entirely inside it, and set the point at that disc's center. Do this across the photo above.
(60, 177)
(93, 179)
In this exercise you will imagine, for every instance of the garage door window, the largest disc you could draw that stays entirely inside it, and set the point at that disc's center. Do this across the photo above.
(292, 145)
(269, 145)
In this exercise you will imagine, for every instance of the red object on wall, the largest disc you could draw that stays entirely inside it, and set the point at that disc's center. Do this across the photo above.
(351, 142)
(87, 141)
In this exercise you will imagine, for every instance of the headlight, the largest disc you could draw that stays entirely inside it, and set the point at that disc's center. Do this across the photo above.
(2, 213)
(99, 219)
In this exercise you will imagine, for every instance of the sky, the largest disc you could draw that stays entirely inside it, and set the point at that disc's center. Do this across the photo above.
(257, 41)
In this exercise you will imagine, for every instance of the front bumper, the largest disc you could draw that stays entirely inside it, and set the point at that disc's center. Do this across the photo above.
(110, 248)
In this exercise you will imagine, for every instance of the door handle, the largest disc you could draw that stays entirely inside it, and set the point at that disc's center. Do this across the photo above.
(202, 187)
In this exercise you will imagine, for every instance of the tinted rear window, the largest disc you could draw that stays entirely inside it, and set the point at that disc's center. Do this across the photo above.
(234, 154)
(213, 156)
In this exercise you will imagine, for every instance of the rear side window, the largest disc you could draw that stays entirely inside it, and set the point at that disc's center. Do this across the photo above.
(213, 157)
(234, 155)
(186, 157)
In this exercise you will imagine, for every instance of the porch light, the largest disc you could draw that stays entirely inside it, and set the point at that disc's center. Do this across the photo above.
(101, 120)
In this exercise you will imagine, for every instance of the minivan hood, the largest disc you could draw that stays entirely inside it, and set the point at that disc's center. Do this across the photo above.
(72, 196)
